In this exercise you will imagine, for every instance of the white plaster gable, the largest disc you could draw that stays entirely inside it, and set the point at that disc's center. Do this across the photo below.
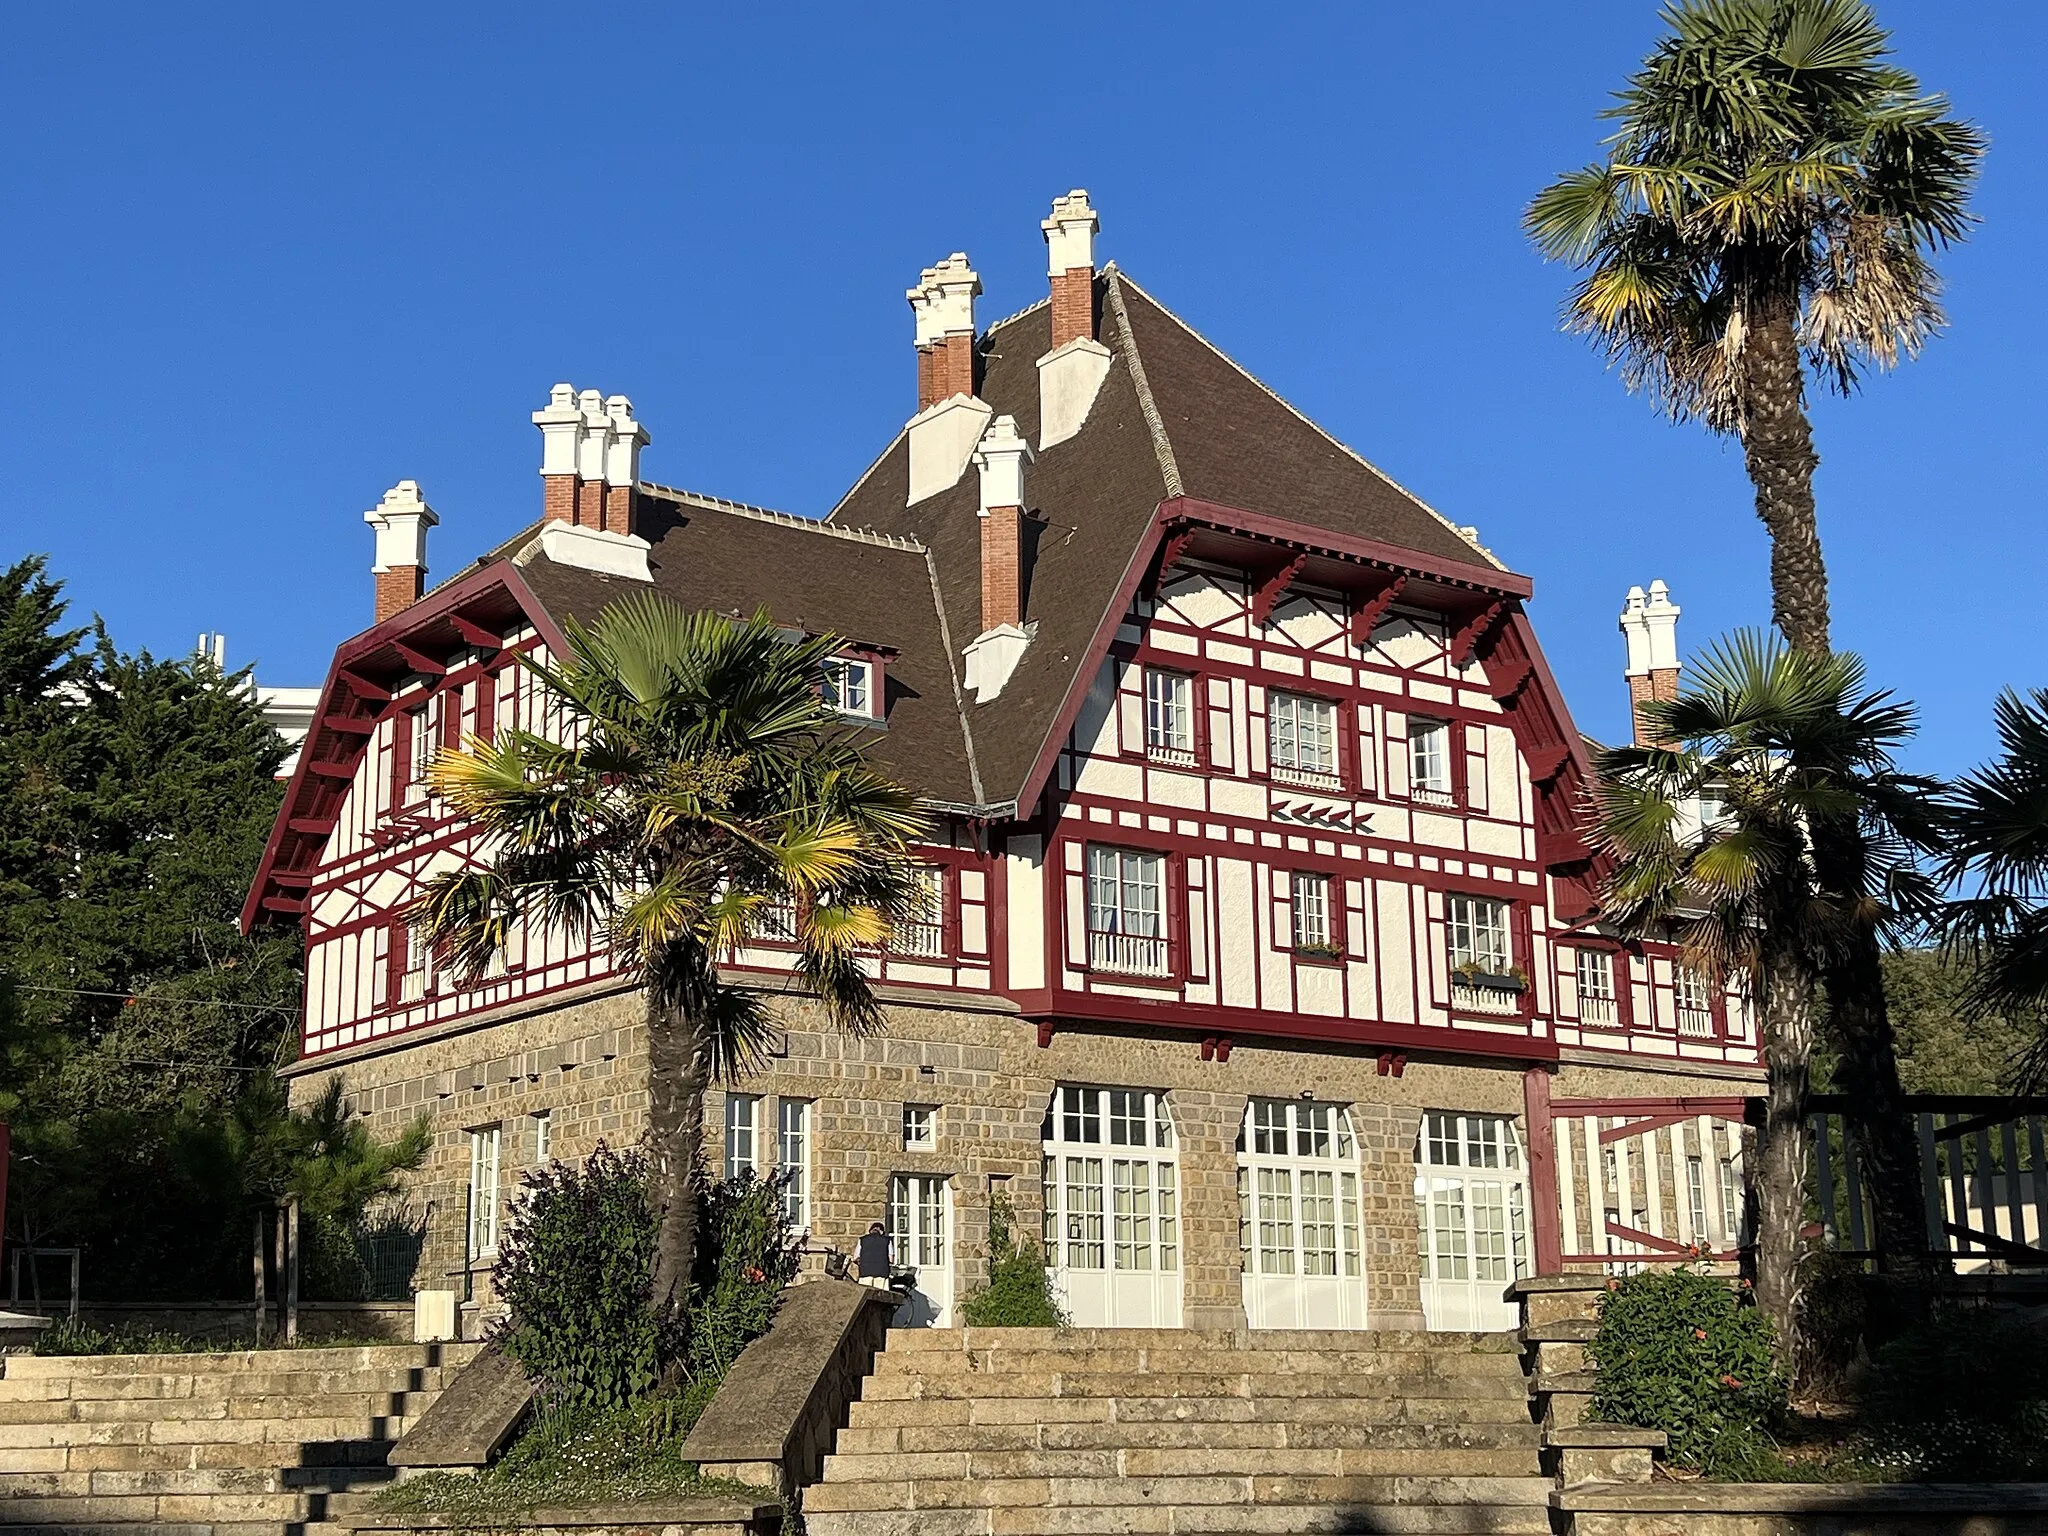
(1069, 378)
(943, 438)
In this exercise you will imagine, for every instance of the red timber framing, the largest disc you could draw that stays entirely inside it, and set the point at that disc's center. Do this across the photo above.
(1636, 1180)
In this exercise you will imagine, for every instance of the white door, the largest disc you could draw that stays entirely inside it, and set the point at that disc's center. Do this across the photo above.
(1112, 1208)
(1298, 1216)
(1472, 1204)
(921, 1233)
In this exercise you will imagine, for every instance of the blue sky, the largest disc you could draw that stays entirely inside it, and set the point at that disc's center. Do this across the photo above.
(262, 262)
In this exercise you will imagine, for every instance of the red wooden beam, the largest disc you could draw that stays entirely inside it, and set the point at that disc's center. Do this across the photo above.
(1511, 679)
(419, 661)
(483, 639)
(1546, 763)
(283, 904)
(1543, 1195)
(1266, 596)
(312, 826)
(1366, 616)
(342, 771)
(353, 725)
(363, 688)
(1176, 545)
(1467, 639)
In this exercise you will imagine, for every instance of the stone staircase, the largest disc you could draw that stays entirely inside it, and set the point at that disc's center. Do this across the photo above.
(1029, 1432)
(256, 1443)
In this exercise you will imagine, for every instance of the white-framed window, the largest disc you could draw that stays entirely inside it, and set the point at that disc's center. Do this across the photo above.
(920, 1126)
(1169, 716)
(774, 921)
(484, 1145)
(1112, 1193)
(1596, 987)
(1471, 1191)
(418, 978)
(742, 1118)
(419, 726)
(1127, 911)
(924, 935)
(1301, 737)
(793, 1159)
(1313, 929)
(1429, 760)
(543, 1137)
(1298, 1191)
(849, 686)
(1694, 1000)
(1478, 931)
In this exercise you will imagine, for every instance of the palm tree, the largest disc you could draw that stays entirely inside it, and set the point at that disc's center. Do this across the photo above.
(698, 790)
(1998, 831)
(1768, 205)
(1728, 839)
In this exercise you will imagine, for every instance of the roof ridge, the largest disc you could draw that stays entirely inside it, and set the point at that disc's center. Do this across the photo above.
(1155, 425)
(787, 519)
(1467, 536)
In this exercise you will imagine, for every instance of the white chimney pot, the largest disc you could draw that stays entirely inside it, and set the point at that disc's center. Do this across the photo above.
(1001, 456)
(627, 438)
(1070, 233)
(951, 287)
(401, 521)
(561, 427)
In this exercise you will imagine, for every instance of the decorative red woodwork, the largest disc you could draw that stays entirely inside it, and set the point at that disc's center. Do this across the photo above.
(1543, 1170)
(1170, 553)
(350, 725)
(1271, 587)
(1223, 1047)
(483, 639)
(1207, 1050)
(338, 771)
(419, 660)
(311, 826)
(1545, 763)
(1474, 629)
(1045, 1031)
(363, 688)
(1509, 679)
(1365, 618)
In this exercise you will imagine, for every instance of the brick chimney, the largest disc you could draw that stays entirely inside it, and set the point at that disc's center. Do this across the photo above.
(1070, 259)
(401, 520)
(1002, 457)
(1649, 622)
(950, 419)
(590, 473)
(1071, 373)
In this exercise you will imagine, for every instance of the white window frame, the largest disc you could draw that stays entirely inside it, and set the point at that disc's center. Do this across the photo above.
(1169, 716)
(742, 1134)
(1127, 911)
(1112, 1186)
(793, 1160)
(1301, 739)
(923, 937)
(1692, 1002)
(1599, 1002)
(417, 979)
(1479, 931)
(849, 686)
(543, 1137)
(1429, 761)
(920, 1127)
(1314, 918)
(486, 1145)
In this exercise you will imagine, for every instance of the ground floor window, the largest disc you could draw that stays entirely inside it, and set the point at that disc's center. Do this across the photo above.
(1472, 1210)
(1112, 1206)
(920, 1233)
(484, 1146)
(1299, 1235)
(742, 1114)
(793, 1159)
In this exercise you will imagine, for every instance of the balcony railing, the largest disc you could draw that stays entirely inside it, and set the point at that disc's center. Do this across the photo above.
(1598, 1011)
(1696, 1023)
(1128, 954)
(1482, 997)
(1437, 797)
(1172, 757)
(926, 941)
(1306, 778)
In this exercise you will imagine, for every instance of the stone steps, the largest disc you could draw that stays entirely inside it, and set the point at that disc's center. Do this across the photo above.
(1029, 1432)
(268, 1442)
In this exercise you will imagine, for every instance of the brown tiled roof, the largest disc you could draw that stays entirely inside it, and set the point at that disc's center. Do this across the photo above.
(1174, 417)
(872, 589)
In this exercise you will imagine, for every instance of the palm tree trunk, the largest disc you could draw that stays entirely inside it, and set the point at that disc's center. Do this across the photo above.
(678, 1073)
(1777, 448)
(1878, 1119)
(1781, 1176)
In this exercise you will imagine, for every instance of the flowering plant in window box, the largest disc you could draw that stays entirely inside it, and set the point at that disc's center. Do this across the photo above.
(1319, 951)
(1513, 979)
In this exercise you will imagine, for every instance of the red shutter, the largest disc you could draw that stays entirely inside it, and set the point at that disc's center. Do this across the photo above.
(401, 756)
(1176, 917)
(487, 705)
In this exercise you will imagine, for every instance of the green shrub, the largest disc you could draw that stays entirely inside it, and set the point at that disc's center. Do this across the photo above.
(1685, 1353)
(1019, 1292)
(1964, 1396)
(575, 1267)
(746, 1254)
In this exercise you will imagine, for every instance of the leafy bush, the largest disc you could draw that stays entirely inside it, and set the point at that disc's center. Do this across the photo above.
(1683, 1352)
(746, 1254)
(575, 1266)
(1019, 1292)
(1963, 1396)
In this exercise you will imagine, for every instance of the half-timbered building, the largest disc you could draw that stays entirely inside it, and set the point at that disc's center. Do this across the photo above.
(1262, 933)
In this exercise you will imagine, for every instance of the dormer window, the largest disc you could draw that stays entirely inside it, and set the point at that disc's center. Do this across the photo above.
(849, 686)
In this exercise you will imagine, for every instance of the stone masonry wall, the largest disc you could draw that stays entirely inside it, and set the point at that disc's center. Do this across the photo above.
(584, 1062)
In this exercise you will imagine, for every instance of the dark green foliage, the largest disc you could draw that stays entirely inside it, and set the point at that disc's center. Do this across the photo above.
(746, 1254)
(574, 1266)
(1686, 1353)
(135, 797)
(1019, 1291)
(1964, 1396)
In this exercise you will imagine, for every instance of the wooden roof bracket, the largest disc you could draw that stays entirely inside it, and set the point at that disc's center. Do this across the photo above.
(1365, 618)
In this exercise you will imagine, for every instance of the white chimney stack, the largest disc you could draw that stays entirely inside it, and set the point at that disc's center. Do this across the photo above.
(1649, 623)
(950, 419)
(590, 471)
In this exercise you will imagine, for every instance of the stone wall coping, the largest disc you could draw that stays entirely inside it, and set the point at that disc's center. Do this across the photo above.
(1532, 1285)
(720, 1512)
(760, 1407)
(1798, 1498)
(1565, 1330)
(1604, 1437)
(471, 1420)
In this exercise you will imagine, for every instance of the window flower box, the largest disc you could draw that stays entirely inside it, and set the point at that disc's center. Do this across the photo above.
(1327, 954)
